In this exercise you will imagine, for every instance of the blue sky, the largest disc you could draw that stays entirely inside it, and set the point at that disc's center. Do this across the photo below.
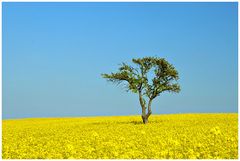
(54, 54)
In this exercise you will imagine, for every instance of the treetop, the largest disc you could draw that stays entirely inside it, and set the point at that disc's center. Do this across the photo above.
(164, 77)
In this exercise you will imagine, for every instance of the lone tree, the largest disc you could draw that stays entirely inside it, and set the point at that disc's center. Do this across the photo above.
(150, 77)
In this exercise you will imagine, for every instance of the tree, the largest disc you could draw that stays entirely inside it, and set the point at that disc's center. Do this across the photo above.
(150, 77)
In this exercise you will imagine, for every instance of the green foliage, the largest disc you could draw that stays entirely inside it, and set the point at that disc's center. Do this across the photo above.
(164, 79)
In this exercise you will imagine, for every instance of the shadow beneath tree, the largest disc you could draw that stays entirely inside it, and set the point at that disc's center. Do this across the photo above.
(140, 122)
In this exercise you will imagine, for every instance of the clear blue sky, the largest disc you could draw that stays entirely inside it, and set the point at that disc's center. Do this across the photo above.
(54, 53)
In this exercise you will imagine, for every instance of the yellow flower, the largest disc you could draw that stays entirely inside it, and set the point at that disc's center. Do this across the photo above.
(178, 136)
(143, 132)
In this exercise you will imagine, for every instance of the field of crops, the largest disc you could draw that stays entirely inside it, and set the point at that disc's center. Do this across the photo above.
(166, 136)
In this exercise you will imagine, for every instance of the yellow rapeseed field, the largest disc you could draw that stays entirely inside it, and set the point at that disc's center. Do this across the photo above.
(166, 136)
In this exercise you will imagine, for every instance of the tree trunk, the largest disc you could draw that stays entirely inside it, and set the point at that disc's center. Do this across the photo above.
(142, 103)
(145, 119)
(149, 108)
(146, 116)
